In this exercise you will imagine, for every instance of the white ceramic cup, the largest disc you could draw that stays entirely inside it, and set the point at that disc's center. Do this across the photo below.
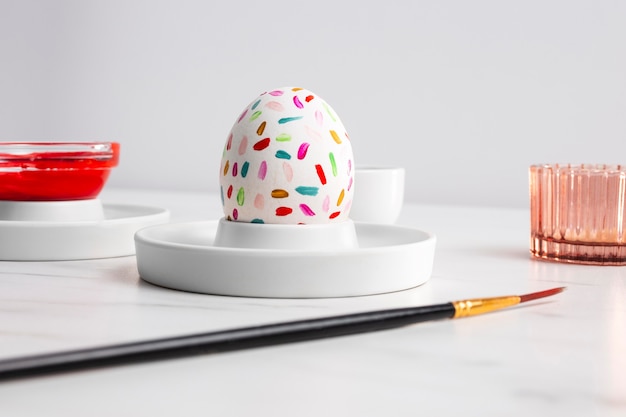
(378, 194)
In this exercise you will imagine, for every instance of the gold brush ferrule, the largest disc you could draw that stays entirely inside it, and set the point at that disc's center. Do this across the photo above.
(466, 308)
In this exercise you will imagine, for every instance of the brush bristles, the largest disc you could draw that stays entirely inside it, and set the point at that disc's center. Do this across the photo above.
(540, 294)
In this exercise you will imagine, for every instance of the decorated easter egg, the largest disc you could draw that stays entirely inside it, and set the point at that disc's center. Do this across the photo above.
(287, 160)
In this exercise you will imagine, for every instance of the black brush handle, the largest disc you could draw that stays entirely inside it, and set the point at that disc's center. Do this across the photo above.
(222, 341)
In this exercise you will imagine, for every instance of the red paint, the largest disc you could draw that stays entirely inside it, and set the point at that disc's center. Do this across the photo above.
(262, 144)
(335, 214)
(230, 142)
(320, 174)
(55, 171)
(540, 294)
(283, 211)
(229, 192)
(309, 98)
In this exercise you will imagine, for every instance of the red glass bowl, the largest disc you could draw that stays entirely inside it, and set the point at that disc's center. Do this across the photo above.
(55, 171)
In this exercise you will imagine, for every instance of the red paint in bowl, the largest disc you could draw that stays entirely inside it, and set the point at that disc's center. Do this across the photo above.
(55, 171)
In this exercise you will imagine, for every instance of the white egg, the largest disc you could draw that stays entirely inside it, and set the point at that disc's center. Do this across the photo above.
(287, 159)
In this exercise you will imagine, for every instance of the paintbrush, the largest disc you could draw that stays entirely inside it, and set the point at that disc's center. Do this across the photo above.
(255, 336)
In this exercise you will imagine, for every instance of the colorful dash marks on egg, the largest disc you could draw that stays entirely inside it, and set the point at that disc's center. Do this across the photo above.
(302, 156)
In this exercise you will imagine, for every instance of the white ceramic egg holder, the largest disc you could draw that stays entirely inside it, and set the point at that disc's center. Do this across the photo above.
(285, 261)
(71, 230)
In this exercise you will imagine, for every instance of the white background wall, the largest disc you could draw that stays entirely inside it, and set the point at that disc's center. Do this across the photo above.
(464, 94)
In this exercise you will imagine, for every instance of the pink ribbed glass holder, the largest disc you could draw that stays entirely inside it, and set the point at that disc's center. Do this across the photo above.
(577, 213)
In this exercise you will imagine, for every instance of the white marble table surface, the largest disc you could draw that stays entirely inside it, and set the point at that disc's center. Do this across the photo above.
(563, 356)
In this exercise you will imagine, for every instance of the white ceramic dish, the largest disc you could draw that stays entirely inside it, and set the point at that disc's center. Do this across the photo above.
(183, 257)
(72, 240)
(52, 211)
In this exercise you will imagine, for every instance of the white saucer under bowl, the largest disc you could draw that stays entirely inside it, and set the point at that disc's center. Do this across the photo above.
(51, 211)
(112, 236)
(183, 256)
